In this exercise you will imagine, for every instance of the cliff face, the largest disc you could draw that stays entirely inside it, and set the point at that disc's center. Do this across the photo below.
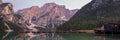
(7, 11)
(28, 13)
(94, 14)
(48, 14)
(52, 13)
(6, 17)
(0, 1)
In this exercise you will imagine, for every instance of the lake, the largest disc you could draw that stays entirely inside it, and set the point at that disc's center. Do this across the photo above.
(53, 36)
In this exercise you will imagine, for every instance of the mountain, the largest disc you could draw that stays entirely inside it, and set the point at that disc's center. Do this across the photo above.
(94, 14)
(28, 13)
(47, 15)
(6, 18)
(1, 2)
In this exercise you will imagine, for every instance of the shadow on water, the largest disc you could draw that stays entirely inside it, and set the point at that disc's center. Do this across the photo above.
(58, 36)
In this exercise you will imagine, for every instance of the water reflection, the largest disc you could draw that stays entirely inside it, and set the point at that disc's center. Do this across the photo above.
(53, 36)
(7, 35)
(29, 36)
(108, 36)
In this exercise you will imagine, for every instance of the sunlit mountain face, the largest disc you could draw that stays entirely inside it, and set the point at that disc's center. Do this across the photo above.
(50, 13)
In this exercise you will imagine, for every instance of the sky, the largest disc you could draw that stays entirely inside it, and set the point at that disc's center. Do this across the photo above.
(70, 4)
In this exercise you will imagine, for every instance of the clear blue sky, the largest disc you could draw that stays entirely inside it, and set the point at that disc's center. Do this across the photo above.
(70, 4)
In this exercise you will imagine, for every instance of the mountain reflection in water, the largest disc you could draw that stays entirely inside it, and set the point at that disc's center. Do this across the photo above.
(53, 36)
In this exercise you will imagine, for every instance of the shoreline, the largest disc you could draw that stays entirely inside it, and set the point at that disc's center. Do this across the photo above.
(77, 31)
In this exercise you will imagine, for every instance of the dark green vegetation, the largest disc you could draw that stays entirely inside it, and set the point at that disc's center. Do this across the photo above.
(7, 35)
(12, 26)
(90, 17)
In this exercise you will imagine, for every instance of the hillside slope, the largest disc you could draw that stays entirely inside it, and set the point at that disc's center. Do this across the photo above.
(94, 14)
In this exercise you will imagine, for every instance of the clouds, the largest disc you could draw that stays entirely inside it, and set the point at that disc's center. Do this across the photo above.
(70, 4)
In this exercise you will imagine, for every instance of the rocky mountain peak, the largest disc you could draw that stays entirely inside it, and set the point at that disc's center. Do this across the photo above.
(49, 13)
(0, 1)
(6, 9)
(6, 18)
(52, 5)
(28, 13)
(35, 7)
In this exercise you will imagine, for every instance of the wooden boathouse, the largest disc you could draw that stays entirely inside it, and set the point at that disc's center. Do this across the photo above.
(110, 28)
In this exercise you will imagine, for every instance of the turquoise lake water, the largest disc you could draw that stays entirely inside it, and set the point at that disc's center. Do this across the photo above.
(53, 36)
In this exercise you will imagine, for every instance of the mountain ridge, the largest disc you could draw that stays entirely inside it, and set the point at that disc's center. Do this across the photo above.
(94, 14)
(47, 14)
